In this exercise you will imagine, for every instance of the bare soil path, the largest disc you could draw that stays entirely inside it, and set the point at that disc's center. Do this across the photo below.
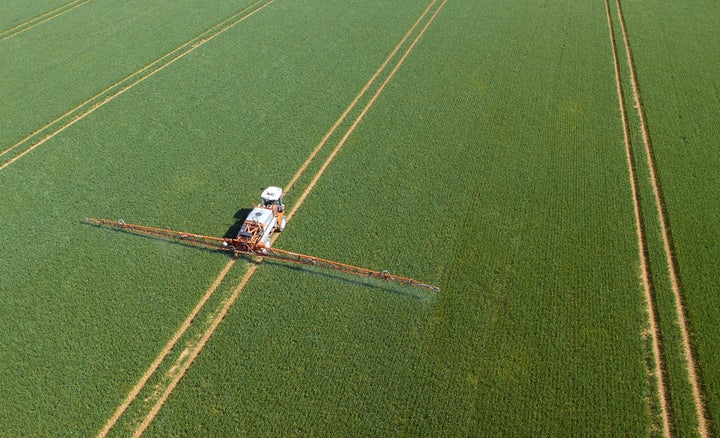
(665, 231)
(186, 362)
(60, 124)
(642, 247)
(165, 351)
(40, 19)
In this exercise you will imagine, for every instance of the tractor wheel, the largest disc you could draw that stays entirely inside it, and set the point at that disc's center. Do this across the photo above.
(283, 223)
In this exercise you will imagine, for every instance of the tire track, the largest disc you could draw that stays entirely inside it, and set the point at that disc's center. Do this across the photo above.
(642, 246)
(186, 362)
(350, 107)
(165, 351)
(364, 111)
(210, 291)
(665, 232)
(40, 19)
(134, 393)
(99, 100)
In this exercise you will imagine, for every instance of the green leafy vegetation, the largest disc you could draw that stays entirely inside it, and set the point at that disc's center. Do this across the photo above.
(476, 170)
(674, 49)
(14, 13)
(492, 165)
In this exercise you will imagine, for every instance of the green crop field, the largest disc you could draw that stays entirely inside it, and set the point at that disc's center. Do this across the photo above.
(532, 159)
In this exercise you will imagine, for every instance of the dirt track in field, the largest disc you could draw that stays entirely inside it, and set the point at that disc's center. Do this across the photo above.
(642, 247)
(183, 365)
(97, 101)
(163, 354)
(165, 351)
(355, 101)
(40, 19)
(665, 231)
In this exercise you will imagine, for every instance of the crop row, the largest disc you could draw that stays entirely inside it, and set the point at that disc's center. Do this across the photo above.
(21, 12)
(671, 47)
(477, 170)
(186, 149)
(492, 165)
(61, 63)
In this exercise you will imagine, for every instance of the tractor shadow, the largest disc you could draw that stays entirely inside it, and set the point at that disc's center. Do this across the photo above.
(239, 217)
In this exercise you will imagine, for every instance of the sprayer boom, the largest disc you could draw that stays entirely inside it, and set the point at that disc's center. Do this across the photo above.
(252, 241)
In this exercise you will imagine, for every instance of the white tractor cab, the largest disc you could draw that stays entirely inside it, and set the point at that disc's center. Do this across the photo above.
(263, 220)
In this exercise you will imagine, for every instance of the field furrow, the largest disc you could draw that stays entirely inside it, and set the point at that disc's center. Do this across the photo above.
(659, 210)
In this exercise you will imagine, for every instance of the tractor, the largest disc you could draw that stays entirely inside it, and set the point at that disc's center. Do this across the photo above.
(266, 218)
(254, 239)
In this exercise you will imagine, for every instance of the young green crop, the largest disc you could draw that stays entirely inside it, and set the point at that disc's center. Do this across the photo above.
(57, 65)
(671, 47)
(15, 14)
(491, 165)
(477, 169)
(91, 308)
